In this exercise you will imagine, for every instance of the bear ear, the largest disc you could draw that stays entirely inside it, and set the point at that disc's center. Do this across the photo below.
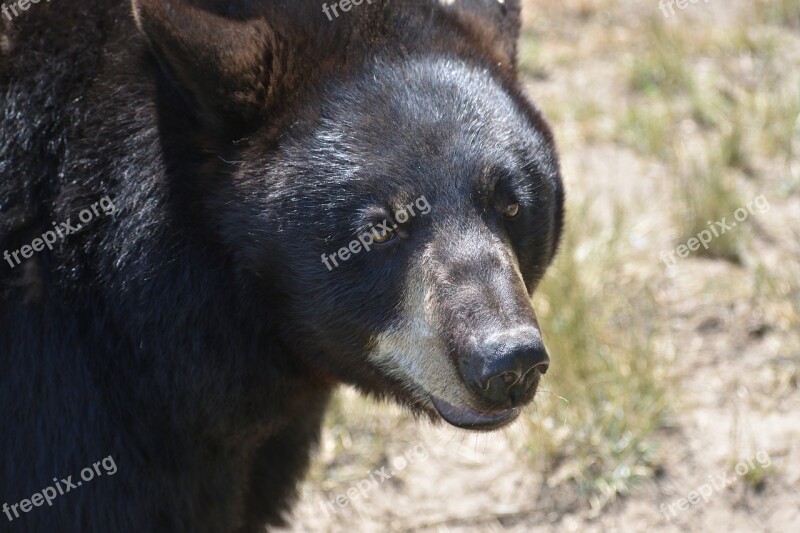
(500, 21)
(226, 64)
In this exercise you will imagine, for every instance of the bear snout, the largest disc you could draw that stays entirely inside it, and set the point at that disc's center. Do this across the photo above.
(506, 368)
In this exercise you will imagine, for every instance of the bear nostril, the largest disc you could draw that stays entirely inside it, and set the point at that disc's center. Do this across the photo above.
(509, 378)
(531, 358)
(541, 366)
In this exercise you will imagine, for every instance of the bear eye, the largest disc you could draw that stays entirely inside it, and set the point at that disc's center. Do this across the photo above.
(380, 236)
(511, 210)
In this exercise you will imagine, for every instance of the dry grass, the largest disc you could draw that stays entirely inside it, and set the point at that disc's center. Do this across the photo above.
(603, 399)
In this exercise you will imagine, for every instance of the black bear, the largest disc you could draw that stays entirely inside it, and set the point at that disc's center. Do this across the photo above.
(213, 212)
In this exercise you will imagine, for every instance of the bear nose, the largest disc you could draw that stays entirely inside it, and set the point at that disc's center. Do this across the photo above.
(510, 365)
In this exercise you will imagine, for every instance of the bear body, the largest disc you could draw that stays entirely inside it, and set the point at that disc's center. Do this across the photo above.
(187, 332)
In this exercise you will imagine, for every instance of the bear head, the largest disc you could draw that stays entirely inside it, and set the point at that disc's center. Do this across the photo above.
(384, 174)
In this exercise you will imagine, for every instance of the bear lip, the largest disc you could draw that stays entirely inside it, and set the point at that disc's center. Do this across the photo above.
(473, 419)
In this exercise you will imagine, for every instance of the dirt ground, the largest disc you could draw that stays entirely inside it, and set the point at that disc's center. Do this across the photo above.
(731, 355)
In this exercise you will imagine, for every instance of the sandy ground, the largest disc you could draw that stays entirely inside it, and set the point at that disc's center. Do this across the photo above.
(733, 360)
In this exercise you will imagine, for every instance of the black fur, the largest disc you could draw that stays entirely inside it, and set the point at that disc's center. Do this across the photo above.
(194, 335)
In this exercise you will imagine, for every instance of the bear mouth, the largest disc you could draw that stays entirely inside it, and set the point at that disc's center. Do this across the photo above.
(473, 419)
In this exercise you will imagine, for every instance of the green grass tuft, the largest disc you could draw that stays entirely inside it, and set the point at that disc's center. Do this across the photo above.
(708, 194)
(660, 68)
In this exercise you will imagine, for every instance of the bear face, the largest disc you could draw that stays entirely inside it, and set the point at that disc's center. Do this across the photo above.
(401, 208)
(467, 183)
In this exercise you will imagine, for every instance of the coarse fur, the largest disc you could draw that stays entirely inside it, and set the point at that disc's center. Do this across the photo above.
(195, 335)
